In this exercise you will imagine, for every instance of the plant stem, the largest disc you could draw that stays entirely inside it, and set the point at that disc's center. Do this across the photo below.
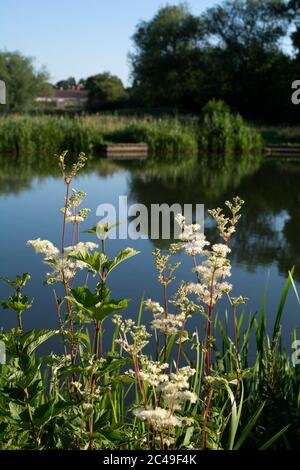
(205, 419)
(166, 317)
(235, 327)
(179, 346)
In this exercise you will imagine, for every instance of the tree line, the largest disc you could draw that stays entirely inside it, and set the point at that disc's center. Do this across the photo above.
(245, 52)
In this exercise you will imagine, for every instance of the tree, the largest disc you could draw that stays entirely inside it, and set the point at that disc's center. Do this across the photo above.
(166, 63)
(23, 81)
(105, 91)
(66, 84)
(231, 52)
(254, 72)
(82, 82)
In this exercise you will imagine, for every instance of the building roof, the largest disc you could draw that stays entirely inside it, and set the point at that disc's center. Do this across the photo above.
(70, 94)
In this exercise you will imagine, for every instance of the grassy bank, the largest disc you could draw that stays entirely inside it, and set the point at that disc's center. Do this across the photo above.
(169, 139)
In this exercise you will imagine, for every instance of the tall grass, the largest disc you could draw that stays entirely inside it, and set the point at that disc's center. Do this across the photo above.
(168, 138)
(24, 135)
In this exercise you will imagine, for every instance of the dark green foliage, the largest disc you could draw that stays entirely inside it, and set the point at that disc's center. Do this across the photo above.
(28, 135)
(167, 139)
(233, 52)
(167, 58)
(105, 91)
(222, 132)
(23, 82)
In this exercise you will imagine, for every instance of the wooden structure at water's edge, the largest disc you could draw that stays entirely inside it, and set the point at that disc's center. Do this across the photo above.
(282, 151)
(125, 151)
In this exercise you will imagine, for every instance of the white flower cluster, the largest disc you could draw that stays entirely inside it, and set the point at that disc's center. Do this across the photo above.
(78, 217)
(76, 167)
(63, 266)
(75, 216)
(174, 390)
(133, 339)
(154, 307)
(193, 241)
(169, 325)
(77, 198)
(226, 225)
(158, 418)
(45, 247)
(211, 274)
(151, 372)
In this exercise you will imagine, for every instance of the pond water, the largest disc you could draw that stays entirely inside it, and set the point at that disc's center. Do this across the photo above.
(265, 247)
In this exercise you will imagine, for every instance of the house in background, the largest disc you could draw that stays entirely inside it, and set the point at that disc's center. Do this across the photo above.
(74, 97)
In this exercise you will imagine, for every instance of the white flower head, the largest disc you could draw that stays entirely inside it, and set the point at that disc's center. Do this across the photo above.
(159, 418)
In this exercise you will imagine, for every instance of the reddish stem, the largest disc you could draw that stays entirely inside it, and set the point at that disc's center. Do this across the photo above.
(166, 317)
(65, 218)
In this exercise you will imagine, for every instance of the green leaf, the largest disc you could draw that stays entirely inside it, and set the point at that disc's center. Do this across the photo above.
(235, 415)
(84, 298)
(108, 308)
(101, 230)
(16, 303)
(282, 302)
(89, 302)
(31, 340)
(94, 262)
(15, 410)
(246, 431)
(122, 256)
(188, 435)
(50, 410)
(140, 313)
(271, 441)
(19, 281)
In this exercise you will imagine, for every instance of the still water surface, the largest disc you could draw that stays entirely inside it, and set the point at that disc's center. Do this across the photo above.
(266, 246)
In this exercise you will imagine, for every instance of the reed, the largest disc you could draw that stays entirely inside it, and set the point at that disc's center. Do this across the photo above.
(168, 138)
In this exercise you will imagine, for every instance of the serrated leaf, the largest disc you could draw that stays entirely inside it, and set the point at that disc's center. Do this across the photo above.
(89, 302)
(122, 256)
(31, 340)
(19, 281)
(94, 262)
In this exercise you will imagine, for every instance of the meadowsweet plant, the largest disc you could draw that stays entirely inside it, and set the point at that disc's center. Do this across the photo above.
(212, 270)
(162, 393)
(17, 302)
(214, 266)
(162, 384)
(166, 272)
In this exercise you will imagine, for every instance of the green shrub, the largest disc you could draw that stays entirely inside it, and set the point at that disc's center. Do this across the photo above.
(222, 132)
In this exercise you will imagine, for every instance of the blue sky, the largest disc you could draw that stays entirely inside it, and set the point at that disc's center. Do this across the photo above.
(78, 38)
